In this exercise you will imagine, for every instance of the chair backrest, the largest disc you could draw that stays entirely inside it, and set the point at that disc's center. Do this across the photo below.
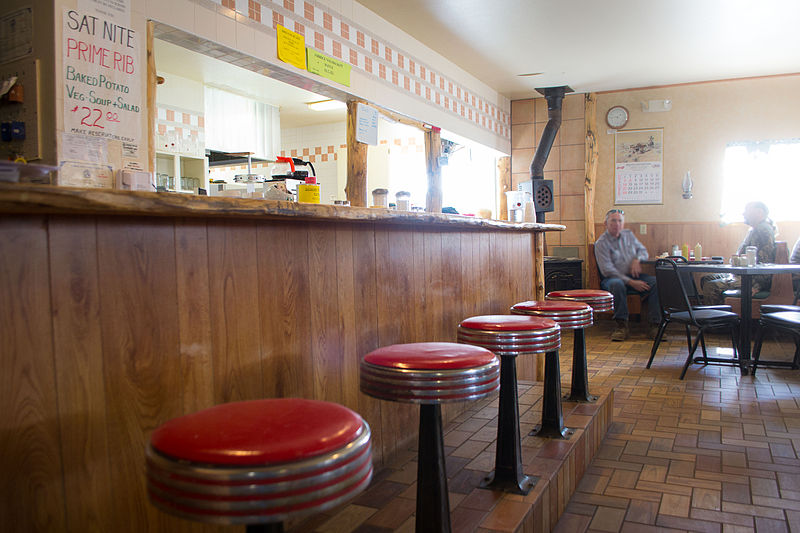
(671, 290)
(688, 280)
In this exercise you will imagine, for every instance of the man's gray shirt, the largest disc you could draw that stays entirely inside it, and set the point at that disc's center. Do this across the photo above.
(614, 255)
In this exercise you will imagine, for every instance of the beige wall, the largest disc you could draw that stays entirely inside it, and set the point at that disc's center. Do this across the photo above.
(704, 118)
(564, 165)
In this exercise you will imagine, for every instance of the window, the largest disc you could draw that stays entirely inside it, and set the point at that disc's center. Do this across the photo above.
(238, 124)
(768, 171)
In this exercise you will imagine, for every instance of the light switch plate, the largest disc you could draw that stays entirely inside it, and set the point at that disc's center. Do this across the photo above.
(643, 229)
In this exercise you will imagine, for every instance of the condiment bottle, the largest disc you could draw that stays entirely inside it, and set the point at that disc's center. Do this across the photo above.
(685, 251)
(308, 192)
(698, 251)
(676, 250)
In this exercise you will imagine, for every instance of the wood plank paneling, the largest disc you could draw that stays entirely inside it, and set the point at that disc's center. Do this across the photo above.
(433, 309)
(715, 238)
(365, 308)
(235, 320)
(155, 317)
(31, 488)
(194, 317)
(77, 345)
(323, 326)
(452, 289)
(285, 301)
(346, 320)
(394, 251)
(139, 327)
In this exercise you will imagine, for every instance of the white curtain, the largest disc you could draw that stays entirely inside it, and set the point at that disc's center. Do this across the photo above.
(234, 123)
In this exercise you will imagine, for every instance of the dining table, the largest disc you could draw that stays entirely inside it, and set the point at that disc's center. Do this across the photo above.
(746, 274)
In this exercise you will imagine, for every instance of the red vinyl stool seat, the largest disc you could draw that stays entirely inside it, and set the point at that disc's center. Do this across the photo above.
(509, 336)
(599, 300)
(258, 462)
(569, 314)
(430, 373)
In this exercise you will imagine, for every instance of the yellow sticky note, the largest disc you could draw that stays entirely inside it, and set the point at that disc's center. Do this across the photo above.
(328, 67)
(291, 47)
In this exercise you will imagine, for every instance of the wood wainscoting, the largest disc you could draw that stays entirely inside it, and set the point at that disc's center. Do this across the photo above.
(111, 325)
(716, 239)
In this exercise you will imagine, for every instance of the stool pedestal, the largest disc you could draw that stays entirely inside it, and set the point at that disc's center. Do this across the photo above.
(579, 388)
(433, 506)
(508, 475)
(552, 425)
(430, 374)
(509, 336)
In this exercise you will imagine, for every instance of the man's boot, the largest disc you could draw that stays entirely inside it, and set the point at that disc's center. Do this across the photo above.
(620, 333)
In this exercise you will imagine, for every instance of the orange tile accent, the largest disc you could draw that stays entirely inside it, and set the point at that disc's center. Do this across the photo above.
(345, 31)
(299, 28)
(327, 21)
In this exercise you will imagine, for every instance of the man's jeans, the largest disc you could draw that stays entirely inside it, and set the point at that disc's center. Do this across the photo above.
(618, 288)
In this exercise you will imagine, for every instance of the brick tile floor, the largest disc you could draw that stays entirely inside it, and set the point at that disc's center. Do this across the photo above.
(714, 452)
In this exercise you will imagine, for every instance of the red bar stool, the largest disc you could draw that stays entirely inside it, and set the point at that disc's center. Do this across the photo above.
(430, 373)
(509, 336)
(258, 462)
(569, 315)
(600, 301)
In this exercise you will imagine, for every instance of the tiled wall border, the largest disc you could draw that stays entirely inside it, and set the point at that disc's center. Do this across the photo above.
(331, 33)
(182, 128)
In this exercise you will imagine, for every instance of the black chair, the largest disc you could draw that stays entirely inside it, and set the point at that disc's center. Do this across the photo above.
(695, 296)
(675, 307)
(784, 320)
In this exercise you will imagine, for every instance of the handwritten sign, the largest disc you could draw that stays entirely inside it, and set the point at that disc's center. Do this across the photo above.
(366, 124)
(291, 47)
(328, 67)
(102, 94)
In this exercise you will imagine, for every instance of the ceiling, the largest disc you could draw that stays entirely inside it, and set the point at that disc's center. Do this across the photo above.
(179, 61)
(595, 45)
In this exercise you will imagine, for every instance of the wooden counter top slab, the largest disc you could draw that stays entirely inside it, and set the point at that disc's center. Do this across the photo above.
(46, 199)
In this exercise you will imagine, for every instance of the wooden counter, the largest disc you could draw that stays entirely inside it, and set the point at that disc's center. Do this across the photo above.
(120, 310)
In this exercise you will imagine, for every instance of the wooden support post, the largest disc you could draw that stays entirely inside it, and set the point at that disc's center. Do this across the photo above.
(503, 186)
(356, 188)
(591, 152)
(152, 111)
(433, 150)
(538, 287)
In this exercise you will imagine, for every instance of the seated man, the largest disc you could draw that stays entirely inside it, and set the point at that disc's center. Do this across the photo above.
(618, 254)
(762, 236)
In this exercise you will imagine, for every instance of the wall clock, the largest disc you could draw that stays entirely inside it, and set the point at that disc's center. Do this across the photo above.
(617, 117)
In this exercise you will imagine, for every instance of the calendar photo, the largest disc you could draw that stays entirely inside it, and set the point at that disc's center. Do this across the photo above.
(638, 166)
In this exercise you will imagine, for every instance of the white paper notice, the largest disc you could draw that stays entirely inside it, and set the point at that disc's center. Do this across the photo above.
(117, 10)
(366, 124)
(84, 148)
(102, 94)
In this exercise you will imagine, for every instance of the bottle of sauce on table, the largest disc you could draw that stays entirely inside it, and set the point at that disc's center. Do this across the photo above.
(698, 252)
(685, 251)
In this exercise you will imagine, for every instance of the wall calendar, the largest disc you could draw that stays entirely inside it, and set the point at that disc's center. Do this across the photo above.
(638, 166)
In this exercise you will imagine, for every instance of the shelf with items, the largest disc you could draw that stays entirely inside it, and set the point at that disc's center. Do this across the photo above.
(181, 173)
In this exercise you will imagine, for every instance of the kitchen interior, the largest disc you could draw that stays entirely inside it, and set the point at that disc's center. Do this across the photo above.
(224, 130)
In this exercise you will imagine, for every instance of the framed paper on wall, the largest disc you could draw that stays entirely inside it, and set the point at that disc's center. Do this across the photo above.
(638, 166)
